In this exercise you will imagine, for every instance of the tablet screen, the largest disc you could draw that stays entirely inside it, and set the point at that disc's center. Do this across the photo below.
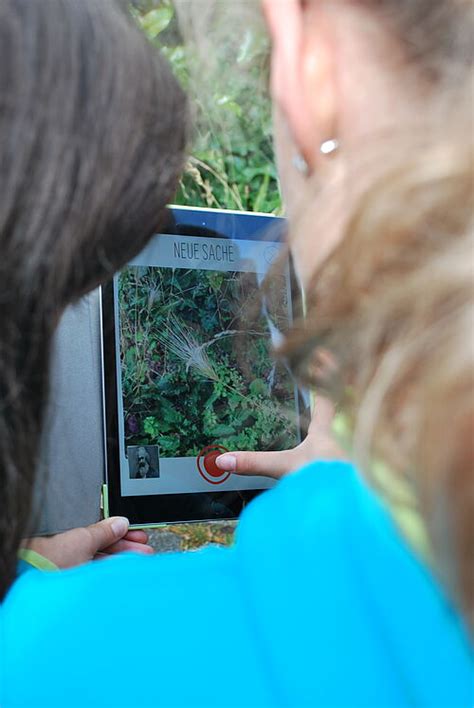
(194, 371)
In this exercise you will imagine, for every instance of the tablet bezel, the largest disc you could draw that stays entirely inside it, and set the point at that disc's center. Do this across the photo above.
(154, 510)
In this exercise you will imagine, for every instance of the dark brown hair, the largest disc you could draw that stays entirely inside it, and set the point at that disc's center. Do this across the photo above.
(92, 137)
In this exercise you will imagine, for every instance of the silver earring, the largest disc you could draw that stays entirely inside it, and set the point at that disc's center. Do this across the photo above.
(329, 146)
(326, 148)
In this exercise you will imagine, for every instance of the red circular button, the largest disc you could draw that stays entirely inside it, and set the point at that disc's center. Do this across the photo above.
(211, 465)
(207, 467)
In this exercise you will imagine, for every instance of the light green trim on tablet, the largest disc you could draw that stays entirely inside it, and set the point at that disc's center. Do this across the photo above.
(36, 559)
(159, 526)
(104, 505)
(104, 501)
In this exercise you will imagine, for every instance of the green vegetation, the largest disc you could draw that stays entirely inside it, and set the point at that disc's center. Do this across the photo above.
(196, 358)
(231, 164)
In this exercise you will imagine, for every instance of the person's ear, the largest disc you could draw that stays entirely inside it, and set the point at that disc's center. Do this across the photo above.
(303, 80)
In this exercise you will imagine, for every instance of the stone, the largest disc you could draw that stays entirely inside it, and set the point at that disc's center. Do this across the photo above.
(164, 541)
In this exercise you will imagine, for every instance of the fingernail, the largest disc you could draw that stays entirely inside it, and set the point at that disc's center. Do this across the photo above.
(145, 550)
(227, 462)
(120, 525)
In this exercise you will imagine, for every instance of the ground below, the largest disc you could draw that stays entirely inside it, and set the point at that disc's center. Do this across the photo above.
(185, 537)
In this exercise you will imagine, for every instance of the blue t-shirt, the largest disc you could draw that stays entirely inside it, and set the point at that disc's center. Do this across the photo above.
(319, 603)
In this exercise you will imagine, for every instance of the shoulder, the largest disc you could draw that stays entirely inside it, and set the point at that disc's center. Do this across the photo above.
(317, 599)
(333, 578)
(321, 500)
(335, 535)
(143, 630)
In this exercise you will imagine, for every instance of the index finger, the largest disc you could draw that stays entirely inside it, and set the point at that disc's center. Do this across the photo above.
(268, 464)
(137, 536)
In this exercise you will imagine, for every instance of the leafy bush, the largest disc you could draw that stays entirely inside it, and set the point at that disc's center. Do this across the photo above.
(231, 164)
(231, 167)
(196, 360)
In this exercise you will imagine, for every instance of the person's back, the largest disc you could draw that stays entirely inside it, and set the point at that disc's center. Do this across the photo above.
(320, 603)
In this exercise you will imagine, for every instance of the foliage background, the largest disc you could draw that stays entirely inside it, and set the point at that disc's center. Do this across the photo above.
(196, 358)
(231, 164)
(224, 70)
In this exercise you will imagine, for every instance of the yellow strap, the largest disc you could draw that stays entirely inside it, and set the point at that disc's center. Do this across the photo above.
(36, 560)
(402, 503)
(396, 492)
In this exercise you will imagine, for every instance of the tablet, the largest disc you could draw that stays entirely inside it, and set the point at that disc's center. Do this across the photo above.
(188, 371)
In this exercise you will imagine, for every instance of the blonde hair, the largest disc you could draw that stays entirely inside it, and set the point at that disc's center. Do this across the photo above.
(394, 301)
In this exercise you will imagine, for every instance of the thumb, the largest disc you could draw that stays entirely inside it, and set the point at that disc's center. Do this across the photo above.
(268, 464)
(106, 532)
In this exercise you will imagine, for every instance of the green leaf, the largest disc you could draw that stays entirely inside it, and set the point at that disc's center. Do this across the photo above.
(258, 386)
(221, 430)
(171, 415)
(230, 104)
(262, 194)
(156, 21)
(151, 427)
